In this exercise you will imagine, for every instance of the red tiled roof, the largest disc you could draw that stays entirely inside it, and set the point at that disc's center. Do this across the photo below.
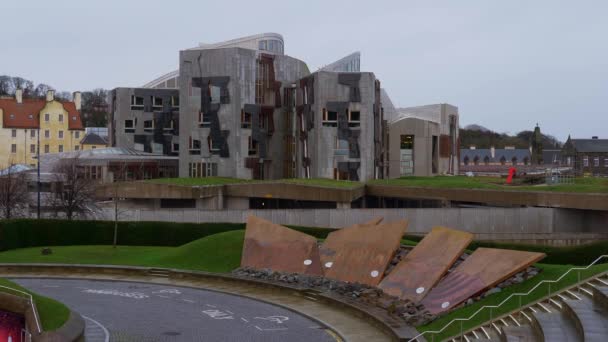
(26, 114)
(17, 115)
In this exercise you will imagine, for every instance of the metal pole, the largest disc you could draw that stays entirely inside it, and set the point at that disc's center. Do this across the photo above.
(38, 159)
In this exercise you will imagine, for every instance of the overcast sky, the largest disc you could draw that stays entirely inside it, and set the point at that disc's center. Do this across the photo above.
(506, 64)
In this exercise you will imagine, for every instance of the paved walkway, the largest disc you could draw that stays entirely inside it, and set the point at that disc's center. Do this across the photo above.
(347, 325)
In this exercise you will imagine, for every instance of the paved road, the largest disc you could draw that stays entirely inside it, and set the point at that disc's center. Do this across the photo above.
(123, 311)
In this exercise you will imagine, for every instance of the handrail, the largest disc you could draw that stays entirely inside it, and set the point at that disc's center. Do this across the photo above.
(31, 299)
(521, 294)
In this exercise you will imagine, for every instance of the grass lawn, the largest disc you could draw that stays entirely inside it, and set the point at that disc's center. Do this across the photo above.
(325, 182)
(52, 313)
(216, 253)
(550, 272)
(583, 185)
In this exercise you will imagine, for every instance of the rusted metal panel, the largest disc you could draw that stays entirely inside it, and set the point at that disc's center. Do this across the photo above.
(484, 268)
(269, 245)
(361, 253)
(423, 267)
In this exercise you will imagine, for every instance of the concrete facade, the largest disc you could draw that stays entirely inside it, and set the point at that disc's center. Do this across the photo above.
(145, 120)
(232, 118)
(423, 141)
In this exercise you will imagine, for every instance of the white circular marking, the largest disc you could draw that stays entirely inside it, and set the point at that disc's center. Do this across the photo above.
(307, 262)
(445, 305)
(420, 290)
(329, 264)
(374, 274)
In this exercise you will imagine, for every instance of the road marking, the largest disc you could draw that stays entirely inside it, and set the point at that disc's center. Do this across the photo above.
(244, 320)
(273, 329)
(134, 295)
(211, 306)
(188, 301)
(105, 331)
(275, 319)
(161, 296)
(230, 312)
(333, 335)
(217, 314)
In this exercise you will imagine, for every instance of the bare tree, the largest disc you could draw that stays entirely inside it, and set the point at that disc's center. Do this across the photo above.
(75, 193)
(120, 175)
(13, 192)
(5, 85)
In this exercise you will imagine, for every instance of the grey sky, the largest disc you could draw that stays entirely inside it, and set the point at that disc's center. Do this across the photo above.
(506, 64)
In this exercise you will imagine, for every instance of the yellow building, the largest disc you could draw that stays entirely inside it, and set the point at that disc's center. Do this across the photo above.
(92, 141)
(57, 122)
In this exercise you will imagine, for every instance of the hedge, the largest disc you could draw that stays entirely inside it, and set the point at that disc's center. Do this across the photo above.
(23, 233)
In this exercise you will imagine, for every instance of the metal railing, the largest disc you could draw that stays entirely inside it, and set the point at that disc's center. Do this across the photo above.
(517, 294)
(31, 299)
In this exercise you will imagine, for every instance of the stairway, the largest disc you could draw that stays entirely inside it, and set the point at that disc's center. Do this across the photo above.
(577, 314)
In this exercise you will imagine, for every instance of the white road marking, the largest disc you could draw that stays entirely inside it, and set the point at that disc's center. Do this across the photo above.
(260, 329)
(211, 306)
(161, 296)
(134, 295)
(217, 314)
(188, 301)
(105, 331)
(244, 320)
(276, 319)
(230, 312)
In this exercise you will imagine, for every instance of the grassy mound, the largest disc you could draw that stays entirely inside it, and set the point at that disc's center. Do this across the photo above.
(53, 314)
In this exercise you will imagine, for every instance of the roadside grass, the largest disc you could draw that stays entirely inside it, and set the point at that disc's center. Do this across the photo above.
(324, 182)
(549, 272)
(53, 314)
(580, 185)
(216, 253)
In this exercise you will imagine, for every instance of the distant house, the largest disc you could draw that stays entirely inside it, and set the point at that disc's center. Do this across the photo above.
(552, 158)
(586, 155)
(92, 141)
(508, 156)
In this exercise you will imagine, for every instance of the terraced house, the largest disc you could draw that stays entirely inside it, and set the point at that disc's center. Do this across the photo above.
(57, 123)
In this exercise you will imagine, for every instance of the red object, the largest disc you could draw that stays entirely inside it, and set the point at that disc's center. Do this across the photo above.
(10, 326)
(512, 172)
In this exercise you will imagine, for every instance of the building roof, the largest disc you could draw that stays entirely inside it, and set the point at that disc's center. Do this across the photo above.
(499, 153)
(552, 156)
(93, 139)
(27, 113)
(590, 145)
(15, 169)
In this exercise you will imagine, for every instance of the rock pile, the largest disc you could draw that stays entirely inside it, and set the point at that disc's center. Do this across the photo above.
(409, 312)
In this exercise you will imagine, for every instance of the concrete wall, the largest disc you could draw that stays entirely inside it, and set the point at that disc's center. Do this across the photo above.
(423, 132)
(532, 225)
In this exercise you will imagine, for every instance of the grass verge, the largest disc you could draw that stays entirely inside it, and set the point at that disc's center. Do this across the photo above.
(53, 314)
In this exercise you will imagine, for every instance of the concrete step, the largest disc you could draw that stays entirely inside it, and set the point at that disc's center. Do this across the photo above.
(600, 296)
(524, 333)
(555, 327)
(158, 272)
(591, 319)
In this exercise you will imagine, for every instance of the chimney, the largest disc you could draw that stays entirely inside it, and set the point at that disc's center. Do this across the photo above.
(492, 152)
(19, 95)
(472, 147)
(594, 137)
(50, 95)
(77, 98)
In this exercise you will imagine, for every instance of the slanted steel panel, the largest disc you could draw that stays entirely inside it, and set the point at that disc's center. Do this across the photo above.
(362, 253)
(269, 245)
(484, 268)
(423, 267)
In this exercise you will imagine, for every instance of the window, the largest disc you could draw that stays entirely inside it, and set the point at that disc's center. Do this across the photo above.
(340, 175)
(486, 160)
(157, 102)
(354, 119)
(129, 126)
(93, 147)
(503, 160)
(137, 102)
(466, 160)
(14, 133)
(32, 133)
(514, 161)
(194, 146)
(76, 148)
(199, 170)
(476, 160)
(214, 145)
(148, 125)
(204, 120)
(60, 134)
(253, 146)
(46, 149)
(32, 148)
(407, 142)
(585, 161)
(215, 93)
(175, 101)
(569, 161)
(74, 118)
(12, 116)
(245, 119)
(605, 162)
(47, 133)
(60, 148)
(13, 148)
(341, 147)
(174, 147)
(60, 117)
(330, 119)
(169, 125)
(596, 161)
(77, 134)
(47, 117)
